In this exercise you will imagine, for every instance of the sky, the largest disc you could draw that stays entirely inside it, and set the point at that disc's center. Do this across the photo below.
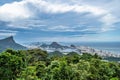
(60, 20)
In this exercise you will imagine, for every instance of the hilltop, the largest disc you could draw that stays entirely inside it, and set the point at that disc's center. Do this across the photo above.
(9, 42)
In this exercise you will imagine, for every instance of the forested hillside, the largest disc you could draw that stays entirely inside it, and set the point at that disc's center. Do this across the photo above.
(37, 64)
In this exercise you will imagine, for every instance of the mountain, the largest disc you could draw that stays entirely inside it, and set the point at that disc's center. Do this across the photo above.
(72, 46)
(56, 48)
(44, 45)
(56, 45)
(9, 42)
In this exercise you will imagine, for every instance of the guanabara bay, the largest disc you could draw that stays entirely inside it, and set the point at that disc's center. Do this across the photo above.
(59, 39)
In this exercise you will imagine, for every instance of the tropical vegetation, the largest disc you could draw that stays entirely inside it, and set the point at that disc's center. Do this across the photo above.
(36, 64)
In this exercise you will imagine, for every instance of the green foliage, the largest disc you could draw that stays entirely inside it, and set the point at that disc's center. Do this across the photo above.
(88, 57)
(36, 55)
(35, 64)
(10, 65)
(40, 70)
(72, 57)
(115, 78)
(29, 74)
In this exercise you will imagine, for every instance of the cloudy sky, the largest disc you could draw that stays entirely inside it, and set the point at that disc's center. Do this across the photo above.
(60, 20)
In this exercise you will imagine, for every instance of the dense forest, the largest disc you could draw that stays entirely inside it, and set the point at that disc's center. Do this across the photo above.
(37, 64)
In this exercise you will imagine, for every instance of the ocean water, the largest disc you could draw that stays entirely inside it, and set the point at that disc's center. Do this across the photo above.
(113, 47)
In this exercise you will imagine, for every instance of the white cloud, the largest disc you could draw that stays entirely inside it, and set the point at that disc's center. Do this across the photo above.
(9, 31)
(18, 11)
(26, 24)
(105, 16)
(73, 38)
(6, 33)
(52, 7)
(14, 11)
(59, 28)
(21, 9)
(62, 28)
(109, 22)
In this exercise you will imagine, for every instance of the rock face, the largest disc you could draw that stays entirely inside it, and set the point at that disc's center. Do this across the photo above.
(10, 43)
(8, 40)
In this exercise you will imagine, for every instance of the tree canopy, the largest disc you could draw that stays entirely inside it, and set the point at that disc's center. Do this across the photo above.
(36, 64)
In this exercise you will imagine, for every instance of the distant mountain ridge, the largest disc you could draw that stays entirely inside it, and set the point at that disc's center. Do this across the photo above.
(9, 42)
(54, 46)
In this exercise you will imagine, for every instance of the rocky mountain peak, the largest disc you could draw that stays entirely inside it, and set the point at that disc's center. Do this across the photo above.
(72, 46)
(8, 40)
(55, 45)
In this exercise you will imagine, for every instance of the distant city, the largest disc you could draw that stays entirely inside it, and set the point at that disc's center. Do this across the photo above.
(9, 42)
